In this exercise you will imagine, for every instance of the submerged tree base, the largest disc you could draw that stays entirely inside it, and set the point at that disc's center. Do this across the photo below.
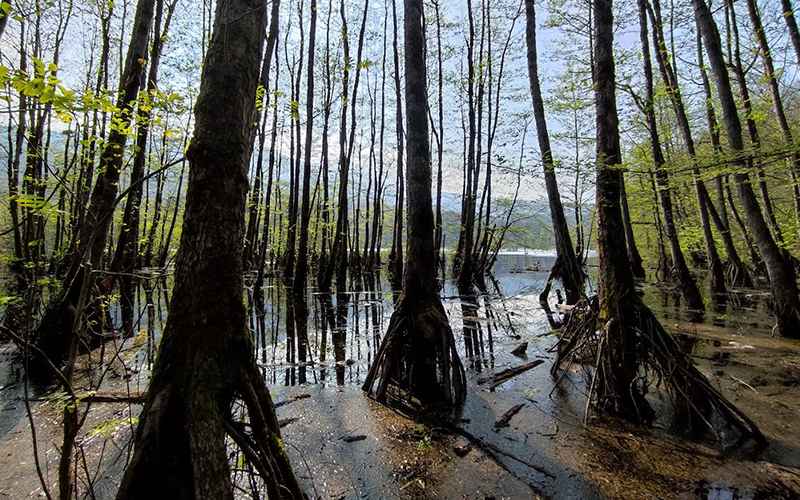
(191, 456)
(650, 358)
(417, 364)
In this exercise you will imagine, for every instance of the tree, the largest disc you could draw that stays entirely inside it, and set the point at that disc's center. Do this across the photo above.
(738, 274)
(783, 283)
(777, 101)
(567, 266)
(301, 269)
(791, 25)
(629, 343)
(55, 330)
(418, 357)
(126, 254)
(686, 281)
(206, 357)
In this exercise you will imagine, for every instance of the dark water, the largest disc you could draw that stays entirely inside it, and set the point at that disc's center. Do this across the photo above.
(345, 327)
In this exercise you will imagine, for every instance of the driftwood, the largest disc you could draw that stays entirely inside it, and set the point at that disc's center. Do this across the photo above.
(508, 415)
(286, 421)
(509, 373)
(520, 350)
(492, 451)
(105, 397)
(353, 438)
(292, 400)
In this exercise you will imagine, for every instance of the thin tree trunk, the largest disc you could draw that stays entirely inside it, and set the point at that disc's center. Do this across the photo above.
(126, 254)
(737, 271)
(396, 253)
(791, 25)
(777, 102)
(55, 332)
(301, 269)
(567, 265)
(752, 127)
(687, 283)
(418, 353)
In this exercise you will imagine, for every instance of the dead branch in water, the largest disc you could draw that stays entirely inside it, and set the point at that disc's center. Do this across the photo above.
(502, 377)
(504, 420)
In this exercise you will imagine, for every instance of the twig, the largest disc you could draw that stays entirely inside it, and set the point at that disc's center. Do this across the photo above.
(737, 379)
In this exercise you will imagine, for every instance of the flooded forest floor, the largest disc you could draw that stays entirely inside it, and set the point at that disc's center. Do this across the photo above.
(524, 438)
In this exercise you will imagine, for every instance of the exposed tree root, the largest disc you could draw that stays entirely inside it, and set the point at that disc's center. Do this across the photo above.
(737, 275)
(653, 359)
(417, 363)
(179, 457)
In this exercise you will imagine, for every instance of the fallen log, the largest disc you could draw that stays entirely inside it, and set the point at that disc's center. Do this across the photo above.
(508, 415)
(136, 398)
(492, 451)
(509, 373)
(292, 400)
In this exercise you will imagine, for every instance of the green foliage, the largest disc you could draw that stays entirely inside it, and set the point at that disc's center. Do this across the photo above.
(107, 428)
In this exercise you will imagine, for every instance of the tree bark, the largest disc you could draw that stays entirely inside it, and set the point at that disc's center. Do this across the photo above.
(687, 283)
(301, 269)
(569, 269)
(738, 274)
(791, 25)
(615, 280)
(783, 283)
(55, 329)
(752, 127)
(418, 353)
(777, 101)
(206, 355)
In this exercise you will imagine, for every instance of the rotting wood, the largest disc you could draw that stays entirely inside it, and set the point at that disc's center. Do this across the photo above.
(502, 377)
(292, 400)
(504, 420)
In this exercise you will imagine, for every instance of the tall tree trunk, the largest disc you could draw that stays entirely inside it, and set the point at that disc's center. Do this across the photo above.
(377, 235)
(418, 353)
(567, 266)
(14, 159)
(752, 127)
(738, 274)
(615, 281)
(439, 232)
(206, 355)
(463, 265)
(125, 256)
(396, 253)
(783, 283)
(777, 102)
(791, 25)
(687, 283)
(55, 330)
(325, 209)
(301, 269)
(632, 344)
